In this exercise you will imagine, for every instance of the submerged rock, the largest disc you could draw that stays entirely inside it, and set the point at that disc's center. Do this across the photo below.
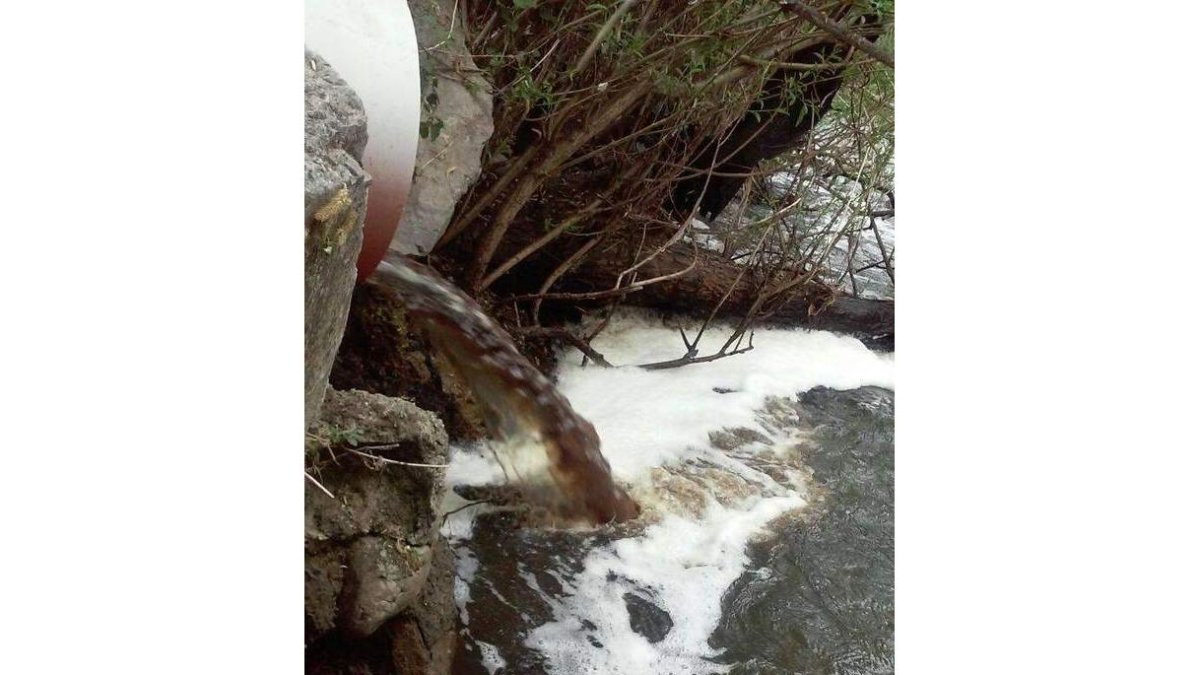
(647, 619)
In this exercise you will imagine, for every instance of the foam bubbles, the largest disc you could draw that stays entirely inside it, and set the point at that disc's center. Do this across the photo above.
(701, 505)
(684, 565)
(648, 418)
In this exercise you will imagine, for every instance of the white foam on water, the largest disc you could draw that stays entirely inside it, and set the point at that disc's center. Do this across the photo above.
(465, 568)
(490, 656)
(649, 418)
(685, 564)
(687, 556)
(472, 465)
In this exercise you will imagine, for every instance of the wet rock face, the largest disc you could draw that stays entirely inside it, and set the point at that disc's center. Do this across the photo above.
(377, 573)
(647, 619)
(732, 439)
(423, 638)
(382, 352)
(335, 200)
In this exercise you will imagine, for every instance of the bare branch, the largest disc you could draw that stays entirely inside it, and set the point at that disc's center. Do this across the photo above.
(692, 358)
(385, 460)
(322, 488)
(839, 31)
(604, 30)
(579, 343)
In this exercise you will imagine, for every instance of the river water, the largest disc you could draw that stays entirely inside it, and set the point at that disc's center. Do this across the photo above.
(765, 545)
(819, 596)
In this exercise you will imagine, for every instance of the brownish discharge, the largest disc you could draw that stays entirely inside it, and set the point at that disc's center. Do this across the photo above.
(384, 209)
(518, 401)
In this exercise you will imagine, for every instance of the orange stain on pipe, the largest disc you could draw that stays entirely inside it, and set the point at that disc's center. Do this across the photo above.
(372, 44)
(385, 205)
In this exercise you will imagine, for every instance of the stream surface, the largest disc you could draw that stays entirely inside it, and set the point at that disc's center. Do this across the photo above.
(819, 598)
(766, 540)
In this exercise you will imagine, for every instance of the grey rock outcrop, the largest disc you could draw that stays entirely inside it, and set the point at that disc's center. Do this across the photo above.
(456, 122)
(424, 637)
(335, 201)
(420, 641)
(385, 577)
(368, 549)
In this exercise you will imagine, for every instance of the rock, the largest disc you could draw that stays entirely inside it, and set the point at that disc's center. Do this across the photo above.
(456, 122)
(335, 199)
(368, 549)
(384, 577)
(420, 641)
(408, 649)
(382, 353)
(730, 439)
(423, 639)
(646, 618)
(382, 419)
(323, 576)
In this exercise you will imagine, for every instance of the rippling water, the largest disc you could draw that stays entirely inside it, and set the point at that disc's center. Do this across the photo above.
(764, 543)
(812, 593)
(819, 596)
